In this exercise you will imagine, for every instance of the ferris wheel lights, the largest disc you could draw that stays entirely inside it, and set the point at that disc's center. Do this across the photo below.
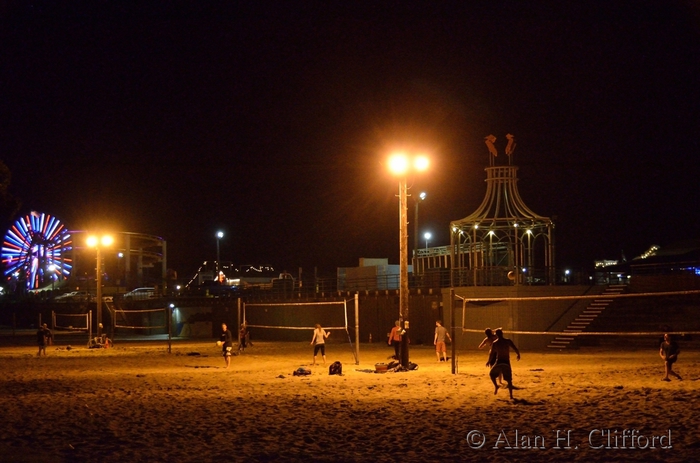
(33, 244)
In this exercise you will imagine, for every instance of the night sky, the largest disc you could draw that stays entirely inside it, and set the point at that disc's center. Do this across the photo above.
(272, 121)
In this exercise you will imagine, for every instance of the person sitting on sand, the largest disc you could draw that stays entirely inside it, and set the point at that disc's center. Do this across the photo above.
(669, 351)
(319, 342)
(500, 359)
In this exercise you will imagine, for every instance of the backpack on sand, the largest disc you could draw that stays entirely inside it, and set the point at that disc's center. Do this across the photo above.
(336, 368)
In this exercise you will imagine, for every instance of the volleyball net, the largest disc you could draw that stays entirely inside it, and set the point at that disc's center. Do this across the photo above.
(561, 322)
(295, 321)
(144, 324)
(71, 322)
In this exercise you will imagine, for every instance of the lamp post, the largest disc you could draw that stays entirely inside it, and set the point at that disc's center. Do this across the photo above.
(99, 242)
(421, 197)
(219, 235)
(427, 237)
(401, 165)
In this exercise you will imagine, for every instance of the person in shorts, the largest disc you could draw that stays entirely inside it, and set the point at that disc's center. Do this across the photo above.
(319, 342)
(226, 344)
(44, 337)
(439, 341)
(488, 342)
(395, 340)
(669, 351)
(500, 359)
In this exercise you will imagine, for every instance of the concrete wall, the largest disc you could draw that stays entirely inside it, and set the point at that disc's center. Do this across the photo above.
(547, 315)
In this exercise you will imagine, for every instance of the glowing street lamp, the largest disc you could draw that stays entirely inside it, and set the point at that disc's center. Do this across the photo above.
(427, 237)
(401, 164)
(219, 235)
(99, 242)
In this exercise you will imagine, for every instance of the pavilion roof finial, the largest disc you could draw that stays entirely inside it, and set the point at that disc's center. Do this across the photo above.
(490, 144)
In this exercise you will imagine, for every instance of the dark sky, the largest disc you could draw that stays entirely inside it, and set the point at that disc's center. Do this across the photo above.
(272, 120)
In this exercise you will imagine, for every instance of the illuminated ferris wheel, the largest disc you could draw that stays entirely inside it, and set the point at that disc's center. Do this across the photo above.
(33, 252)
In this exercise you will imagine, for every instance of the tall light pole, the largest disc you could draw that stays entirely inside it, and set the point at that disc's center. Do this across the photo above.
(219, 235)
(421, 197)
(427, 237)
(401, 165)
(99, 242)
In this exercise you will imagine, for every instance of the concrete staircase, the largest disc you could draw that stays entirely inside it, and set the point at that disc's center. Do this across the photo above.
(586, 317)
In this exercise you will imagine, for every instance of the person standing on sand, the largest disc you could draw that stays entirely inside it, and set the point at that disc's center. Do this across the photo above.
(319, 342)
(500, 359)
(242, 338)
(488, 342)
(439, 341)
(669, 351)
(44, 337)
(226, 341)
(395, 339)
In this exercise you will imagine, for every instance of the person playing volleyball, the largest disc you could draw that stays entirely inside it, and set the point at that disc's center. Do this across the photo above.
(669, 351)
(500, 359)
(488, 342)
(439, 341)
(226, 343)
(44, 337)
(319, 342)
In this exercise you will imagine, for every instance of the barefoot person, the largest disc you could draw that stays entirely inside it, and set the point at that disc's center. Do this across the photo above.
(439, 341)
(395, 339)
(500, 359)
(44, 337)
(226, 342)
(669, 351)
(488, 342)
(319, 342)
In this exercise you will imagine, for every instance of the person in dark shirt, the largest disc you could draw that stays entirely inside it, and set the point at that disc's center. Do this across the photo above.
(226, 341)
(669, 351)
(500, 359)
(243, 338)
(44, 337)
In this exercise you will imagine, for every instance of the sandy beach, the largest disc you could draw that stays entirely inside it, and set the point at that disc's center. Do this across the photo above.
(137, 402)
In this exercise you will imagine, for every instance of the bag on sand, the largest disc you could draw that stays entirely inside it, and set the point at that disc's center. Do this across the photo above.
(301, 371)
(336, 368)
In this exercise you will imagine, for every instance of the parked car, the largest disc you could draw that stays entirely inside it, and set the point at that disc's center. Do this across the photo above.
(212, 288)
(140, 293)
(74, 296)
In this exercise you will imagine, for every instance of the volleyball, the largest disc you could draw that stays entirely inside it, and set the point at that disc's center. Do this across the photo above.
(219, 343)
